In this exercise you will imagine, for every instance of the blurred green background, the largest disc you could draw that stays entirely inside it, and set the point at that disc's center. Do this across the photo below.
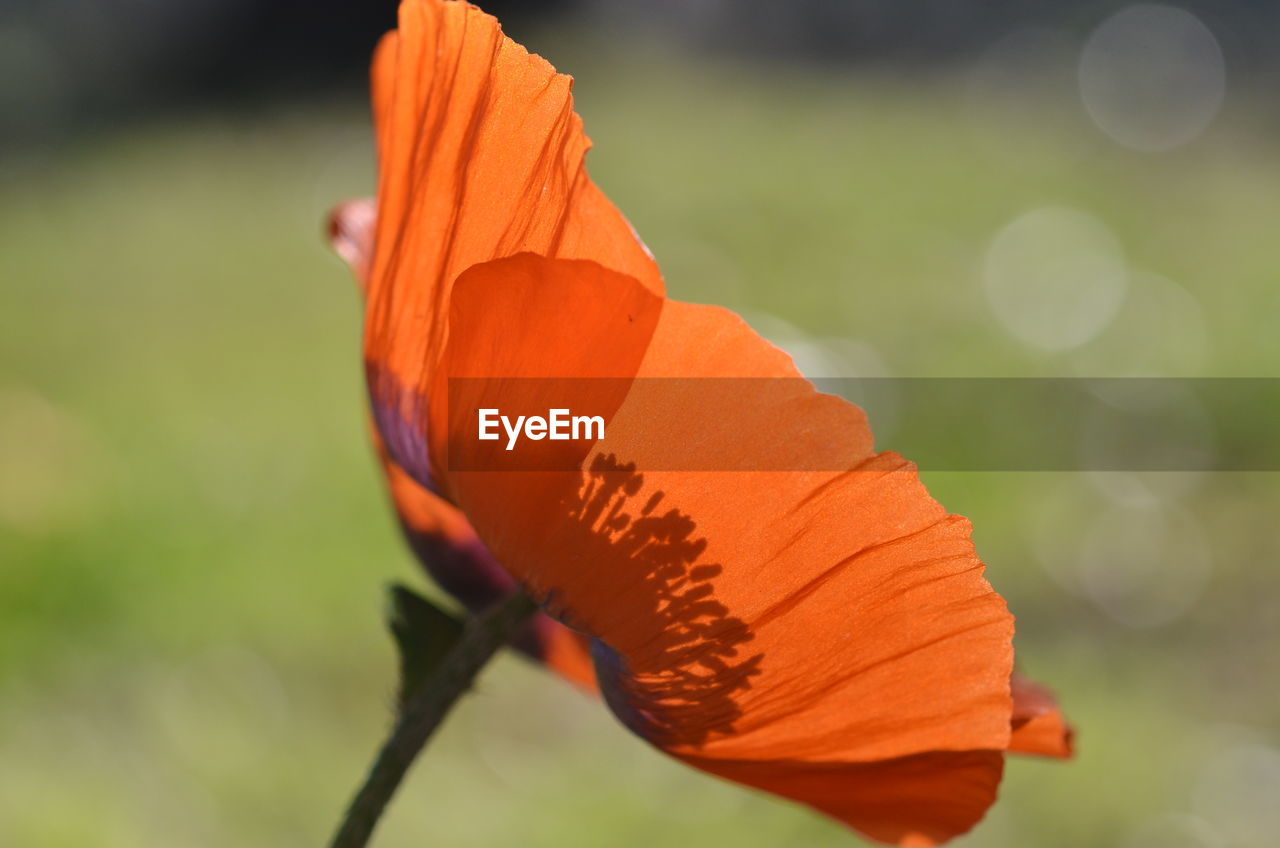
(194, 539)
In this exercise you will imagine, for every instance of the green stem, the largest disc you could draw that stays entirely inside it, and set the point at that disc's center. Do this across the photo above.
(426, 709)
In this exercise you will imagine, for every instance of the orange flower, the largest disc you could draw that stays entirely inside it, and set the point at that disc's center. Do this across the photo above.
(827, 636)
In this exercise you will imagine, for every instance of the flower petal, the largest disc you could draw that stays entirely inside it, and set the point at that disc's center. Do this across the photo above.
(1039, 726)
(481, 157)
(921, 800)
(820, 621)
(552, 318)
(351, 225)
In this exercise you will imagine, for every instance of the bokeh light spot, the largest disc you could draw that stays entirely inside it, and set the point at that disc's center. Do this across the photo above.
(1144, 566)
(1152, 77)
(1055, 277)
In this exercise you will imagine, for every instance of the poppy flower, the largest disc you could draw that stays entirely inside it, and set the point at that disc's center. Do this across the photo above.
(824, 635)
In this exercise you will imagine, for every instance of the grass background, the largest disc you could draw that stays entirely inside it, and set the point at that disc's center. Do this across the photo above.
(194, 540)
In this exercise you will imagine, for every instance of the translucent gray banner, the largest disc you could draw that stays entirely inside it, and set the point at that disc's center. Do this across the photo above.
(944, 424)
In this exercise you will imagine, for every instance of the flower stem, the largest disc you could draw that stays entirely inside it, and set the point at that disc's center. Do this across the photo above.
(426, 709)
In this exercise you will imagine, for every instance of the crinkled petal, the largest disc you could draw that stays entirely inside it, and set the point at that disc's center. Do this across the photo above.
(818, 620)
(481, 157)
